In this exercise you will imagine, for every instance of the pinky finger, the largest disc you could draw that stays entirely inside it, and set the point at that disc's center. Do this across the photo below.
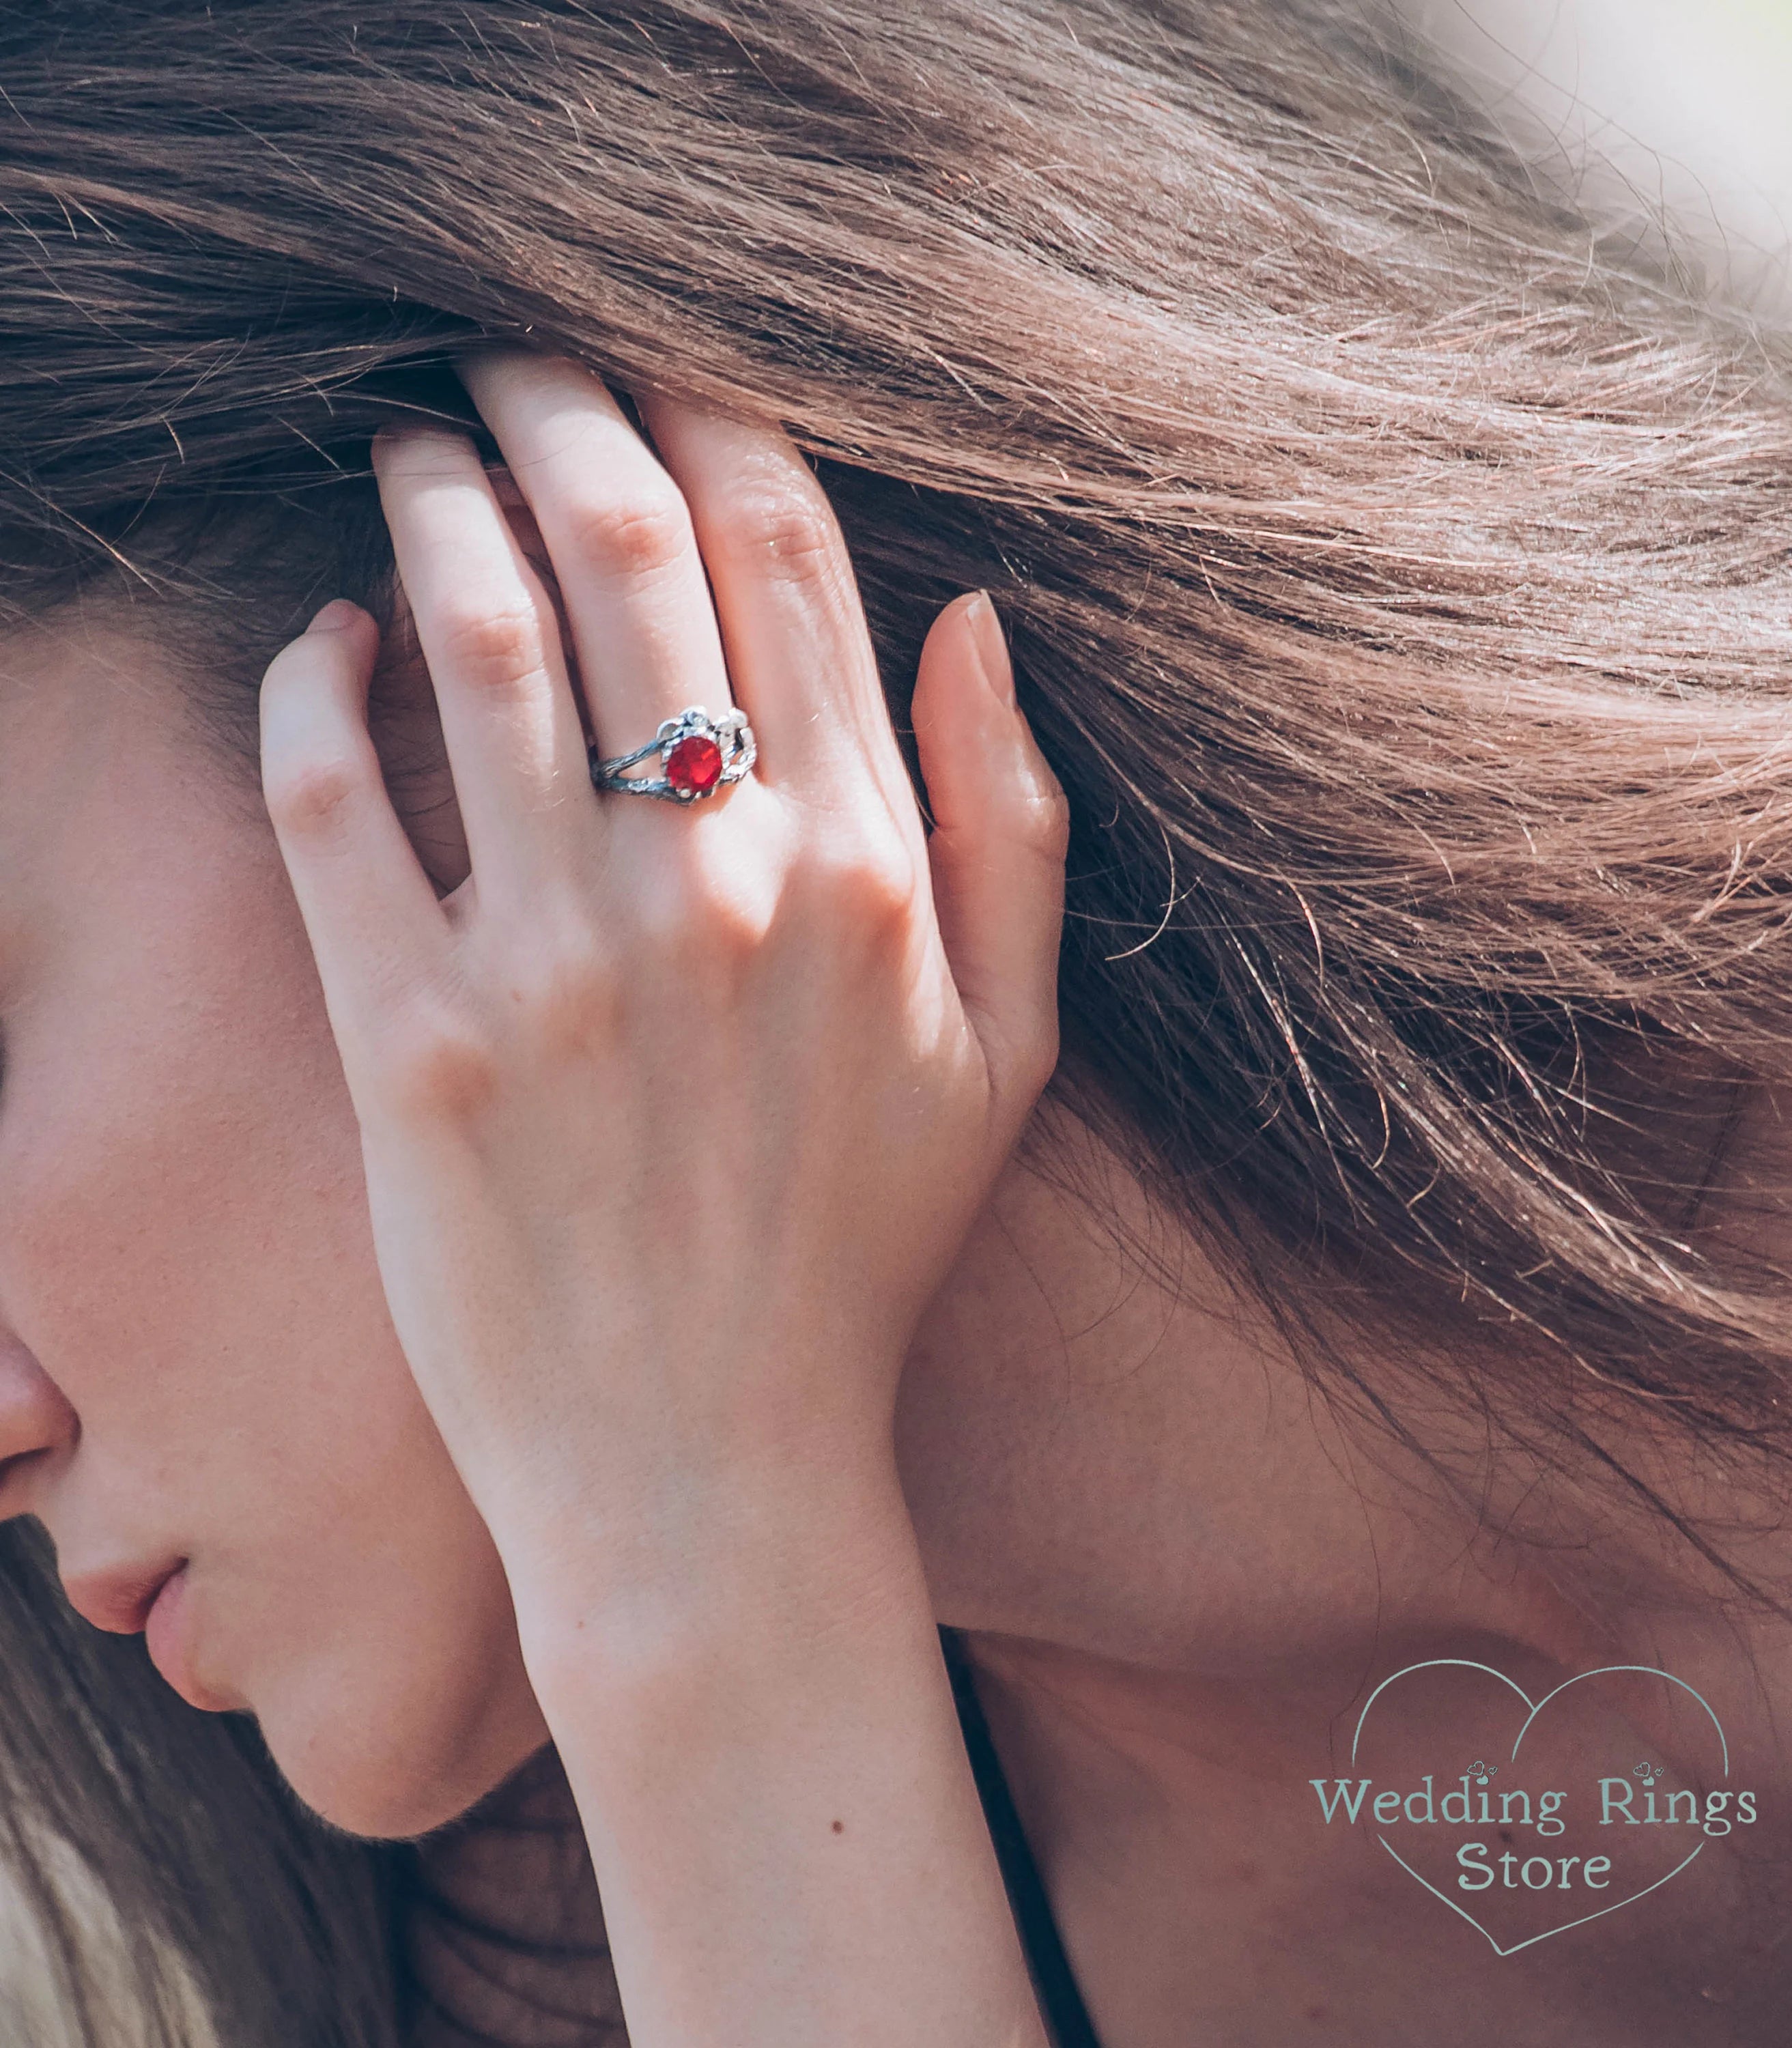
(1001, 831)
(376, 929)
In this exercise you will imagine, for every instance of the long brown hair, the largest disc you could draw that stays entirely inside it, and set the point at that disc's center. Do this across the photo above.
(1395, 560)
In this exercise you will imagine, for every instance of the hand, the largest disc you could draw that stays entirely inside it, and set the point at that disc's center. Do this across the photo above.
(673, 1118)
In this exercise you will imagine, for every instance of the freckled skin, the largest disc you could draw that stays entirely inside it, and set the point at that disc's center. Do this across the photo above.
(187, 1264)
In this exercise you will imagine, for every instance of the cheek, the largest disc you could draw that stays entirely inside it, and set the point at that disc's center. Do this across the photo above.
(187, 1242)
(188, 1257)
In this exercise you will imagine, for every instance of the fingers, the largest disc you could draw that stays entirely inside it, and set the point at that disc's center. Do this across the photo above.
(640, 541)
(1000, 833)
(620, 539)
(798, 649)
(375, 927)
(487, 631)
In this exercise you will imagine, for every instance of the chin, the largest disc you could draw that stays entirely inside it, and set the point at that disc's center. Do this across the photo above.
(389, 1776)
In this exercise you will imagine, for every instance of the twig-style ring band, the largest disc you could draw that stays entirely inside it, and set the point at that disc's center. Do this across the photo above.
(699, 755)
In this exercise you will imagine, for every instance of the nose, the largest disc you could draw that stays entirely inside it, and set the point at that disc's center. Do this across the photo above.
(35, 1420)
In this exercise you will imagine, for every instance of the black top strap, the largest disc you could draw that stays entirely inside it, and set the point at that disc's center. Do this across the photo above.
(1053, 1982)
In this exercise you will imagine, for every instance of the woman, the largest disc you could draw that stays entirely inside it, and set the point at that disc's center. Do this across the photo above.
(772, 1454)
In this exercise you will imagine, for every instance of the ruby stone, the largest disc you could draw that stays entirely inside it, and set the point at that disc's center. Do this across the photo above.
(694, 765)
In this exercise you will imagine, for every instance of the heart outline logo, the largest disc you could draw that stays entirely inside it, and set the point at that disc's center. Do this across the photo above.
(1536, 1707)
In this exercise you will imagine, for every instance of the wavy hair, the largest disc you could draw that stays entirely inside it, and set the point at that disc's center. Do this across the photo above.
(1396, 560)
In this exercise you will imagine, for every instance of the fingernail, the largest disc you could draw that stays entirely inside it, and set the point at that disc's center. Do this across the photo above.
(991, 645)
(337, 613)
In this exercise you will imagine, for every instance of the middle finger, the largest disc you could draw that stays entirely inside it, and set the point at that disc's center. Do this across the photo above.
(620, 538)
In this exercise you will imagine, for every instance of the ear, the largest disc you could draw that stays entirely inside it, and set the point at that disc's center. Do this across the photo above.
(406, 730)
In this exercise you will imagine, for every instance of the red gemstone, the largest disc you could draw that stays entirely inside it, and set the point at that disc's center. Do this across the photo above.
(694, 765)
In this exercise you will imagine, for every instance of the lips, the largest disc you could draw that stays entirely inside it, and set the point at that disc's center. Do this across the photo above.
(119, 1602)
(153, 1603)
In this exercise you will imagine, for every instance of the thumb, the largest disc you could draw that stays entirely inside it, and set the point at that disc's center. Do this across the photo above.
(1001, 830)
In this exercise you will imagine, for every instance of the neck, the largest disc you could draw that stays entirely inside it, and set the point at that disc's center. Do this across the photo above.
(1201, 1895)
(503, 1941)
(1182, 1580)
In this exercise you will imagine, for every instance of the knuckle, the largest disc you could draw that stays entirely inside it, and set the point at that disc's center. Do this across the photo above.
(493, 647)
(782, 531)
(635, 538)
(314, 798)
(571, 997)
(1045, 823)
(872, 892)
(709, 921)
(1036, 1057)
(438, 1066)
(732, 929)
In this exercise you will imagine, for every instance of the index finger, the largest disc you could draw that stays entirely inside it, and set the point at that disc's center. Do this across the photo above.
(516, 744)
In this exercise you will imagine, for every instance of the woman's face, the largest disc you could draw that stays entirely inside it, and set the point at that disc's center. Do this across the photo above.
(196, 1364)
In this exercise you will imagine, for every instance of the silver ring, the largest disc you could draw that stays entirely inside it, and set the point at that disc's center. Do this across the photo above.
(699, 755)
